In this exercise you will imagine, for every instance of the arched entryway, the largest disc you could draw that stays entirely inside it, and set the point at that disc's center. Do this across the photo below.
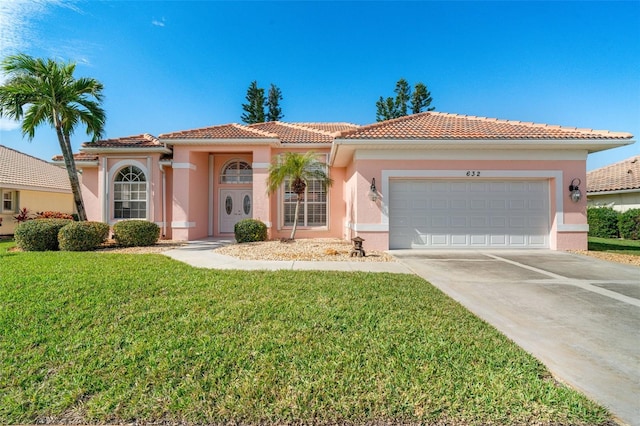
(236, 194)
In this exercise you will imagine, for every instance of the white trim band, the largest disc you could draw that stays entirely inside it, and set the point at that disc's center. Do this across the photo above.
(368, 227)
(183, 166)
(260, 165)
(182, 225)
(573, 228)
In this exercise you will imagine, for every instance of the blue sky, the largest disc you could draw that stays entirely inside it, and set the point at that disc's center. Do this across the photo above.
(169, 66)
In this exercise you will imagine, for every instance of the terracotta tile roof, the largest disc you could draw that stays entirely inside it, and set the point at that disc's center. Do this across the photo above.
(79, 156)
(330, 127)
(615, 177)
(138, 141)
(22, 170)
(437, 125)
(296, 133)
(225, 131)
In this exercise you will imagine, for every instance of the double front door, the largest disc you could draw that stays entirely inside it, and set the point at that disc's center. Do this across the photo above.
(235, 205)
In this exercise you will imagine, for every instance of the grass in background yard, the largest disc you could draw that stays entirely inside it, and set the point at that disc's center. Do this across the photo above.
(614, 245)
(108, 338)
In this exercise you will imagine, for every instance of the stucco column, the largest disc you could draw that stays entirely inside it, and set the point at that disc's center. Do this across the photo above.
(262, 201)
(180, 198)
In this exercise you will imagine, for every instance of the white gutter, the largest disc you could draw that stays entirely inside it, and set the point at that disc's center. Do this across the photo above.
(619, 191)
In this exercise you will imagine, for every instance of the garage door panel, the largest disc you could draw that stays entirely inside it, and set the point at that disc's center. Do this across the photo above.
(479, 240)
(455, 213)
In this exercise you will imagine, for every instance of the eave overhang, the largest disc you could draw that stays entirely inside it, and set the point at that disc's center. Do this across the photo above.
(613, 192)
(7, 185)
(274, 142)
(126, 150)
(343, 150)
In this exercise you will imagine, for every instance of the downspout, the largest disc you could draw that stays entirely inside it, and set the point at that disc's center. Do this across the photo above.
(162, 199)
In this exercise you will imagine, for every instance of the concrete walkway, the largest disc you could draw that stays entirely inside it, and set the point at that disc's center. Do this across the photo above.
(201, 255)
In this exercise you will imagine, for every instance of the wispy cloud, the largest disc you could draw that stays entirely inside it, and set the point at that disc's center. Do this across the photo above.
(158, 23)
(8, 125)
(18, 32)
(17, 22)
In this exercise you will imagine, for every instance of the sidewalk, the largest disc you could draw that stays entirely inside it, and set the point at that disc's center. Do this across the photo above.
(201, 255)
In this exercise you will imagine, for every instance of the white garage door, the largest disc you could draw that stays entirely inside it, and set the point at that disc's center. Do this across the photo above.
(461, 213)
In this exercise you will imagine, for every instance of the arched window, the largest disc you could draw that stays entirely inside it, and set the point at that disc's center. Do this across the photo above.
(130, 194)
(237, 171)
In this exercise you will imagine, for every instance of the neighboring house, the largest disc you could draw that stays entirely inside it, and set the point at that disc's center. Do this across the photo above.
(442, 180)
(616, 185)
(31, 183)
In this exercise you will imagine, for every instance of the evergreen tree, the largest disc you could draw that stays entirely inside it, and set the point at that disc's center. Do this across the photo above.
(254, 108)
(274, 112)
(386, 109)
(421, 99)
(389, 108)
(403, 94)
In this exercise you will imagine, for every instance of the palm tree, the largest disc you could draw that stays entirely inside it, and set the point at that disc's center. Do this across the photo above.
(300, 169)
(45, 91)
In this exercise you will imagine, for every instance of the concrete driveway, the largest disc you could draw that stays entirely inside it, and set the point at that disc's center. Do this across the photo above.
(580, 316)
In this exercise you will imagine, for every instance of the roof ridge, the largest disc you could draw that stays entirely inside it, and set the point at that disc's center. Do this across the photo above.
(297, 126)
(383, 123)
(151, 138)
(251, 129)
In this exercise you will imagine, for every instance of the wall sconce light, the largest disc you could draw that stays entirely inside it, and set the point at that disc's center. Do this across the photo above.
(574, 190)
(373, 191)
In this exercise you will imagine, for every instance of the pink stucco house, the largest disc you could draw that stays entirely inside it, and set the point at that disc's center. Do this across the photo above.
(441, 181)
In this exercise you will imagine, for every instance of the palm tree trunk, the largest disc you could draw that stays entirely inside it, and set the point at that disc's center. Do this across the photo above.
(70, 164)
(295, 219)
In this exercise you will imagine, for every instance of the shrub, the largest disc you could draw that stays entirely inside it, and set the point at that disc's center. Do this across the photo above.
(249, 230)
(82, 236)
(39, 235)
(136, 233)
(22, 216)
(53, 215)
(629, 224)
(603, 222)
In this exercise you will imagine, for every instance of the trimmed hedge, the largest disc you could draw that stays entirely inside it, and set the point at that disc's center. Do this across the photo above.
(39, 235)
(250, 230)
(629, 224)
(136, 233)
(82, 236)
(603, 222)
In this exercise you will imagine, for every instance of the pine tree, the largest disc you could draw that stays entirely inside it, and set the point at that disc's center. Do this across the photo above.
(389, 108)
(421, 99)
(386, 109)
(254, 108)
(403, 94)
(274, 112)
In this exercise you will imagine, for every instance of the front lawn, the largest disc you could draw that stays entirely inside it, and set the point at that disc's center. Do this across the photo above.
(114, 338)
(615, 245)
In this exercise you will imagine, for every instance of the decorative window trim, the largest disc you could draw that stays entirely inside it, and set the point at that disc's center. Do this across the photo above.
(236, 172)
(11, 200)
(114, 171)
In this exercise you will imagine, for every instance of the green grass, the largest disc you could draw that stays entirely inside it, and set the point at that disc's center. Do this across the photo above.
(110, 338)
(615, 245)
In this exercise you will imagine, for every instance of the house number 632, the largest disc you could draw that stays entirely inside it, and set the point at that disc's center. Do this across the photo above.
(473, 173)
